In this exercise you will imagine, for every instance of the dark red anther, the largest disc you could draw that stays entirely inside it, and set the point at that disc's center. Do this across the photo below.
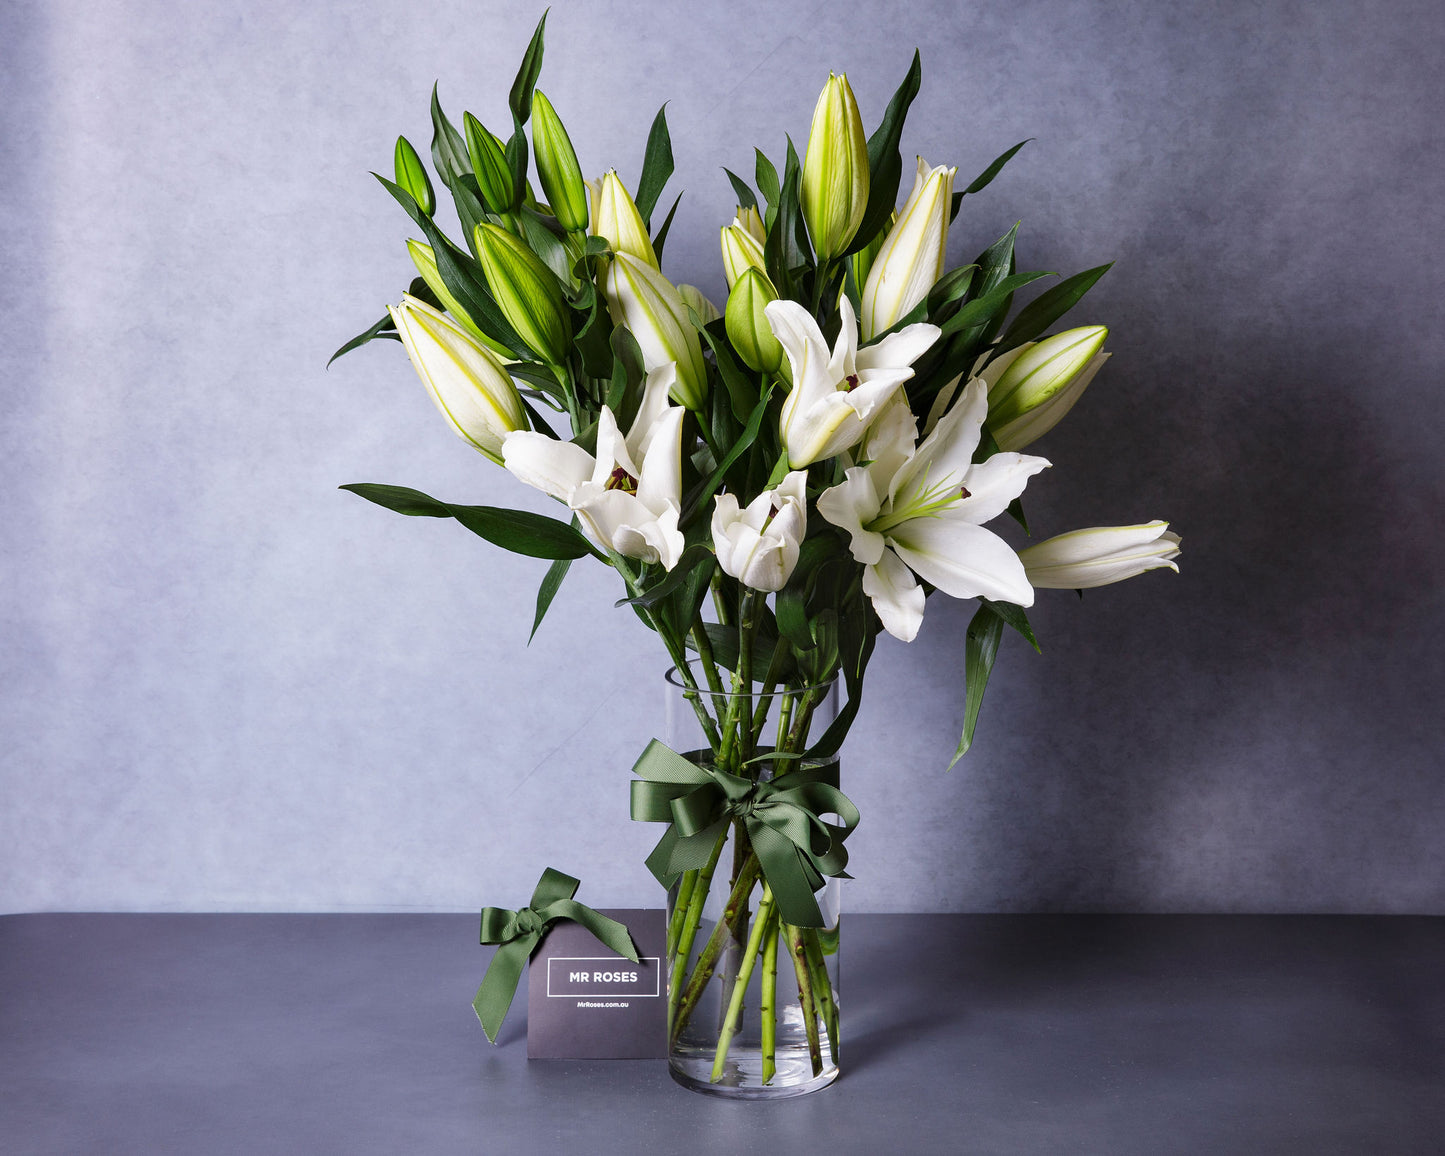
(850, 383)
(963, 492)
(620, 479)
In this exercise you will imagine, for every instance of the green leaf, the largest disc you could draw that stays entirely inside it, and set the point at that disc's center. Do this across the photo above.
(703, 495)
(383, 328)
(661, 238)
(1048, 307)
(981, 309)
(952, 286)
(742, 392)
(519, 531)
(656, 166)
(1016, 512)
(448, 147)
(981, 182)
(519, 100)
(551, 583)
(546, 244)
(980, 649)
(746, 199)
(1014, 616)
(885, 166)
(767, 178)
(695, 555)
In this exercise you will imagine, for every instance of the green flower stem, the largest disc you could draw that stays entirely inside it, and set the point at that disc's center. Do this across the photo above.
(805, 994)
(679, 913)
(745, 973)
(760, 716)
(688, 933)
(707, 958)
(709, 665)
(768, 1004)
(822, 988)
(728, 755)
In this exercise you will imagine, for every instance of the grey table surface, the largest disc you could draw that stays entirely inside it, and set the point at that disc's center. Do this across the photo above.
(962, 1033)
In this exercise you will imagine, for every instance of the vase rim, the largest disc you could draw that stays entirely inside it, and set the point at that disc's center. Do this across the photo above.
(670, 677)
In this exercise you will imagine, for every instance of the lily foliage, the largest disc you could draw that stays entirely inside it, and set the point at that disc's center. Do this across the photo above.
(872, 433)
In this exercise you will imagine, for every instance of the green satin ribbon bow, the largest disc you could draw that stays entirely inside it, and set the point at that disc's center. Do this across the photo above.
(794, 846)
(519, 933)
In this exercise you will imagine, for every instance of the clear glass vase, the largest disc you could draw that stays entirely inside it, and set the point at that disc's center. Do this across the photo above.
(752, 1000)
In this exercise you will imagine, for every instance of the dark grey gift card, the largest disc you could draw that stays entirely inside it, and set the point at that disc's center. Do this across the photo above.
(587, 1003)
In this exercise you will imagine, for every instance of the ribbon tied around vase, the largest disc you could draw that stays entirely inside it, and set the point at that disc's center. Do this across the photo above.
(795, 847)
(519, 932)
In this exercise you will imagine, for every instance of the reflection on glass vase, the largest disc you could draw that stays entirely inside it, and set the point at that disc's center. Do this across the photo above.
(752, 999)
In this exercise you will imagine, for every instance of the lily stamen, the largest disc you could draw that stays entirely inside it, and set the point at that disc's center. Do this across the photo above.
(620, 479)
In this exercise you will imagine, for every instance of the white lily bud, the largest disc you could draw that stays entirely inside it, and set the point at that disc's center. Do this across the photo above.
(912, 257)
(752, 223)
(759, 545)
(1046, 375)
(615, 218)
(740, 250)
(645, 301)
(466, 380)
(835, 170)
(1100, 555)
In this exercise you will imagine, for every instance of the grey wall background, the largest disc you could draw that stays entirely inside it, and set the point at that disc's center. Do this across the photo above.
(225, 685)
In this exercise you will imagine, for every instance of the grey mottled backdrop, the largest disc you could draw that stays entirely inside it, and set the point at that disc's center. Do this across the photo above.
(226, 685)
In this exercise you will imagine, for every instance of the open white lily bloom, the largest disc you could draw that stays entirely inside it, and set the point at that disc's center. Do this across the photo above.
(1100, 555)
(835, 395)
(759, 545)
(467, 380)
(623, 506)
(919, 509)
(912, 258)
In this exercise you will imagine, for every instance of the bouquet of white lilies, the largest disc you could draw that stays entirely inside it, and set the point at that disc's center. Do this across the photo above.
(775, 482)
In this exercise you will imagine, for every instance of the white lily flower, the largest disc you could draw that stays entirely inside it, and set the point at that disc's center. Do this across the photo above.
(759, 545)
(650, 305)
(1100, 555)
(623, 506)
(919, 509)
(912, 257)
(465, 379)
(835, 395)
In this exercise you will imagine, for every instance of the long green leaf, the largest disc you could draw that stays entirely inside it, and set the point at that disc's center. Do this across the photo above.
(551, 583)
(767, 178)
(695, 555)
(383, 328)
(448, 146)
(519, 100)
(982, 308)
(980, 649)
(656, 166)
(885, 165)
(1014, 616)
(519, 531)
(1048, 307)
(746, 198)
(660, 238)
(981, 182)
(750, 432)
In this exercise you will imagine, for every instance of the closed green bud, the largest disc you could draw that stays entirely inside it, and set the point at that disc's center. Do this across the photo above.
(747, 325)
(411, 175)
(426, 264)
(527, 292)
(835, 170)
(489, 163)
(1031, 377)
(557, 165)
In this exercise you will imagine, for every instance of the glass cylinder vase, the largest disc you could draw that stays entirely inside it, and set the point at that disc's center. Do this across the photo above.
(752, 999)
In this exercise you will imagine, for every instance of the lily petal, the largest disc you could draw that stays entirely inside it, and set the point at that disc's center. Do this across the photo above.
(962, 559)
(556, 468)
(849, 505)
(994, 483)
(897, 597)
